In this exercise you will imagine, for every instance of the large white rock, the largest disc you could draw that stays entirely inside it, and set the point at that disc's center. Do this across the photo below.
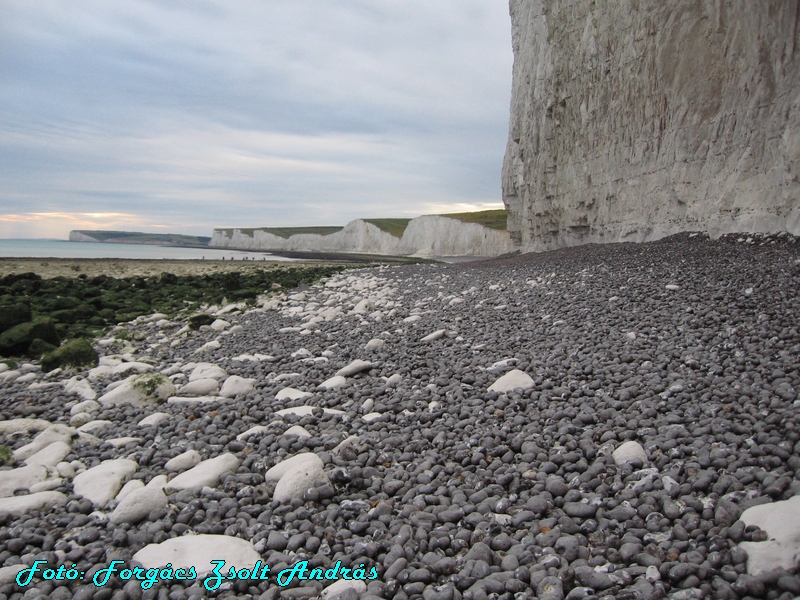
(207, 371)
(198, 551)
(136, 505)
(298, 461)
(290, 393)
(303, 411)
(119, 369)
(122, 441)
(436, 335)
(220, 324)
(781, 521)
(101, 484)
(334, 382)
(95, 426)
(628, 452)
(200, 387)
(131, 486)
(206, 473)
(50, 456)
(81, 387)
(297, 430)
(394, 380)
(87, 406)
(140, 390)
(154, 419)
(255, 429)
(184, 461)
(23, 425)
(42, 501)
(338, 587)
(212, 345)
(236, 386)
(511, 381)
(22, 478)
(374, 344)
(53, 433)
(298, 477)
(357, 366)
(194, 399)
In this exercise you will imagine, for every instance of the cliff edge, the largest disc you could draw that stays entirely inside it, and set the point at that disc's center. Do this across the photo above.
(637, 119)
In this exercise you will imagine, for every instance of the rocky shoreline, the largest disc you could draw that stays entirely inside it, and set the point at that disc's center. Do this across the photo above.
(615, 421)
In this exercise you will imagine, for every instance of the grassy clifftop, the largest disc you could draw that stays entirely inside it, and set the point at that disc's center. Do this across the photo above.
(495, 219)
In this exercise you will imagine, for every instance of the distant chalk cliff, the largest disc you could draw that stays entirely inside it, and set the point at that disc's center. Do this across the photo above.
(422, 236)
(634, 119)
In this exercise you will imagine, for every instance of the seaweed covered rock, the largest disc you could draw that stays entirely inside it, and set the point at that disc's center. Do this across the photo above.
(39, 348)
(14, 314)
(75, 353)
(197, 321)
(17, 340)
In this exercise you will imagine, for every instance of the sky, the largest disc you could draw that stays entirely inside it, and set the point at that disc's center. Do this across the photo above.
(184, 115)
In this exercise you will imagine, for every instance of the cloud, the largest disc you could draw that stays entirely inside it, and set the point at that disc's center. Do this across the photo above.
(196, 114)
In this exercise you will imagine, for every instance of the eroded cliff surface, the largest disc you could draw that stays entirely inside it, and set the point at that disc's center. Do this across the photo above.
(635, 119)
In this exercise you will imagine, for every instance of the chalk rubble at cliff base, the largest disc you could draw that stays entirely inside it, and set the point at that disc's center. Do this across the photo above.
(654, 403)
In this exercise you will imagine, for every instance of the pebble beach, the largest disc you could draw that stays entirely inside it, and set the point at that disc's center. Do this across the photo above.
(607, 421)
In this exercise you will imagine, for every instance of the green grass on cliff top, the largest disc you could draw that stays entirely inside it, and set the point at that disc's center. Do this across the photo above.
(494, 219)
(395, 227)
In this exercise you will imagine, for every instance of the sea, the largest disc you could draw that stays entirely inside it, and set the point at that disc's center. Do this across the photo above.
(50, 248)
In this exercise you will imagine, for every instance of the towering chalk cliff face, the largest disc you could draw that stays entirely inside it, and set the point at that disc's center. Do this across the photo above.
(634, 119)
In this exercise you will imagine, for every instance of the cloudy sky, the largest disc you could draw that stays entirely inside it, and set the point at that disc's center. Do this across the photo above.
(185, 115)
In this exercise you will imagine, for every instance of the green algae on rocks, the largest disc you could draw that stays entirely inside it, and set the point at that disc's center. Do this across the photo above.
(75, 353)
(82, 307)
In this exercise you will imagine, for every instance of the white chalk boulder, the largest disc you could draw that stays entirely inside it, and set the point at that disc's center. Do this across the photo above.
(184, 461)
(236, 386)
(21, 479)
(781, 521)
(198, 551)
(51, 455)
(207, 371)
(436, 335)
(41, 501)
(290, 393)
(200, 387)
(139, 503)
(206, 473)
(154, 419)
(302, 472)
(333, 383)
(511, 381)
(101, 484)
(297, 431)
(140, 390)
(357, 366)
(53, 433)
(374, 344)
(629, 452)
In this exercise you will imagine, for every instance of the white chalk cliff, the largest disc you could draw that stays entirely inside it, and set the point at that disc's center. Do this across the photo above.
(635, 119)
(424, 236)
